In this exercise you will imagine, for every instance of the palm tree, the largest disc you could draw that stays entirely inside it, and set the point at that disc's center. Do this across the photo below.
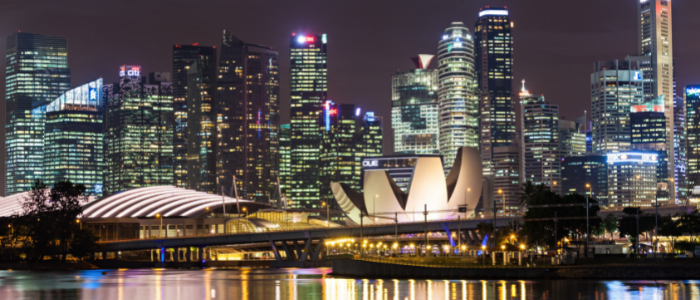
(528, 190)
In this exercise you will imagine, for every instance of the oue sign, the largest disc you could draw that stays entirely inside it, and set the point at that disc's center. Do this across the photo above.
(370, 163)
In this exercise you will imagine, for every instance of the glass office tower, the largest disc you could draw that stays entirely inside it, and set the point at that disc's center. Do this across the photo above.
(74, 138)
(459, 104)
(648, 125)
(194, 88)
(541, 154)
(247, 106)
(692, 121)
(138, 132)
(414, 109)
(285, 157)
(36, 73)
(579, 171)
(372, 135)
(493, 49)
(308, 87)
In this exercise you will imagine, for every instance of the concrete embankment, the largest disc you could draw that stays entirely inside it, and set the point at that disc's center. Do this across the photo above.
(47, 266)
(366, 269)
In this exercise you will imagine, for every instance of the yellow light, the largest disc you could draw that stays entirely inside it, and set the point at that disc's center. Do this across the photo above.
(429, 247)
(522, 247)
(77, 221)
(512, 236)
(463, 247)
(483, 247)
(500, 191)
(588, 185)
(503, 247)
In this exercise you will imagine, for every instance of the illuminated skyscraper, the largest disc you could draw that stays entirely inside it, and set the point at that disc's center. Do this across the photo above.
(692, 121)
(506, 178)
(308, 88)
(632, 179)
(572, 142)
(138, 132)
(584, 175)
(648, 125)
(194, 88)
(285, 157)
(36, 73)
(414, 109)
(74, 138)
(459, 104)
(615, 87)
(341, 150)
(493, 48)
(247, 106)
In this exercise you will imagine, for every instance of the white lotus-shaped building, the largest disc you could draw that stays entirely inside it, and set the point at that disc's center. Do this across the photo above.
(428, 188)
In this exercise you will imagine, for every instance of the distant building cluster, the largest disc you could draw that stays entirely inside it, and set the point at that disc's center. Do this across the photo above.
(212, 123)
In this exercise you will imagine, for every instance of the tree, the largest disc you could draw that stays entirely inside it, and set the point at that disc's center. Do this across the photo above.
(528, 190)
(628, 224)
(485, 228)
(67, 198)
(671, 229)
(83, 243)
(609, 224)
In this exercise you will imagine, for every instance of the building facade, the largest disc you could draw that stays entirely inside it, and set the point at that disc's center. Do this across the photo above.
(692, 122)
(631, 179)
(615, 87)
(138, 132)
(457, 99)
(247, 106)
(194, 66)
(36, 73)
(414, 109)
(493, 49)
(285, 158)
(308, 87)
(74, 138)
(585, 175)
(648, 124)
(341, 149)
(680, 146)
(572, 141)
(506, 180)
(541, 154)
(372, 135)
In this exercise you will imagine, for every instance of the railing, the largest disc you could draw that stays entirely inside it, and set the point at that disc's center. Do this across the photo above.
(446, 265)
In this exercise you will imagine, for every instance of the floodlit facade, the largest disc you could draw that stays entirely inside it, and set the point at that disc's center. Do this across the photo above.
(457, 99)
(648, 124)
(632, 179)
(247, 105)
(138, 132)
(308, 87)
(493, 49)
(428, 189)
(572, 142)
(36, 73)
(400, 167)
(74, 138)
(372, 135)
(541, 154)
(285, 157)
(616, 86)
(414, 109)
(679, 150)
(692, 121)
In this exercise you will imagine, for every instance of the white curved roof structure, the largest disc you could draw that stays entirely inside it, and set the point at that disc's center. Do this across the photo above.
(168, 201)
(12, 205)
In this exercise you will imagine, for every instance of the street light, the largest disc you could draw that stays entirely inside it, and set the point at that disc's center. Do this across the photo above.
(81, 224)
(245, 211)
(483, 255)
(160, 229)
(328, 213)
(590, 194)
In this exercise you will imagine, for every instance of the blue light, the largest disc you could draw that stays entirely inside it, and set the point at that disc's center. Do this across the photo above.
(98, 188)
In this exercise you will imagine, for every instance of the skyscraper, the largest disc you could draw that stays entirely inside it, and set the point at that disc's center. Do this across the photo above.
(655, 36)
(493, 48)
(247, 106)
(541, 154)
(285, 158)
(459, 104)
(372, 135)
(584, 175)
(36, 73)
(572, 142)
(138, 132)
(506, 173)
(194, 88)
(615, 87)
(414, 109)
(680, 146)
(74, 138)
(341, 150)
(648, 125)
(308, 88)
(692, 121)
(632, 179)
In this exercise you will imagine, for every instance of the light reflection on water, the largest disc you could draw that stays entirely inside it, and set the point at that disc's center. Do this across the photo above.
(301, 284)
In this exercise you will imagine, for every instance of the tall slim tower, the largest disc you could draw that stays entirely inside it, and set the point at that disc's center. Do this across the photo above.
(493, 48)
(36, 73)
(459, 104)
(308, 87)
(247, 105)
(655, 34)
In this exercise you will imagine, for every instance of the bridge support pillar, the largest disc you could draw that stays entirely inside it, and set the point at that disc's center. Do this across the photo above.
(297, 250)
(318, 251)
(307, 249)
(275, 251)
(288, 251)
(104, 255)
(493, 258)
(189, 254)
(200, 254)
(177, 254)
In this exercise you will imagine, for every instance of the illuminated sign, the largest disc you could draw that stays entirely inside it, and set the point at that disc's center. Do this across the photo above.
(693, 91)
(632, 157)
(324, 39)
(92, 94)
(327, 118)
(370, 163)
(637, 76)
(493, 12)
(98, 188)
(304, 39)
(131, 71)
(357, 112)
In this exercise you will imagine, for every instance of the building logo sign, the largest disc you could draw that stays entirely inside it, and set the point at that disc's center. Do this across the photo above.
(692, 91)
(92, 94)
(131, 71)
(637, 76)
(370, 163)
(632, 157)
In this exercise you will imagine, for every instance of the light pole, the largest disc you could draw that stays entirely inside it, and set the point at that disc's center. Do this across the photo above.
(160, 229)
(656, 223)
(81, 224)
(328, 214)
(495, 239)
(590, 194)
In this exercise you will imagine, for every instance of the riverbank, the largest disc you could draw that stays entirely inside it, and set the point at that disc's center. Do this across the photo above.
(366, 269)
(47, 266)
(126, 264)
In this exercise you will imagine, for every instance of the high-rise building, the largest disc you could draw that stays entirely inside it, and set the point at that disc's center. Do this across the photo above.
(74, 138)
(457, 99)
(36, 73)
(285, 158)
(632, 179)
(414, 109)
(342, 149)
(692, 122)
(506, 174)
(372, 135)
(247, 107)
(194, 88)
(615, 87)
(655, 42)
(572, 141)
(680, 146)
(584, 175)
(308, 88)
(541, 154)
(138, 132)
(493, 49)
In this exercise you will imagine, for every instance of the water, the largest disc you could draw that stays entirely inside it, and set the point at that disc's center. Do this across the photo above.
(299, 284)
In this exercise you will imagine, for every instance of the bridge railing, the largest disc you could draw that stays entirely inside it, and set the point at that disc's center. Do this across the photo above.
(279, 229)
(450, 264)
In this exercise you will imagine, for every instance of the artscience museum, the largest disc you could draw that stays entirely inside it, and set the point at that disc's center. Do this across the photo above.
(427, 189)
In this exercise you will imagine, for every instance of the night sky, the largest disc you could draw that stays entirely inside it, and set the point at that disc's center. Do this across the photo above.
(556, 41)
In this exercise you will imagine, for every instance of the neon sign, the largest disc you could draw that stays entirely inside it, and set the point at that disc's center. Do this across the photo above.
(305, 39)
(632, 157)
(370, 163)
(692, 91)
(133, 71)
(637, 76)
(92, 94)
